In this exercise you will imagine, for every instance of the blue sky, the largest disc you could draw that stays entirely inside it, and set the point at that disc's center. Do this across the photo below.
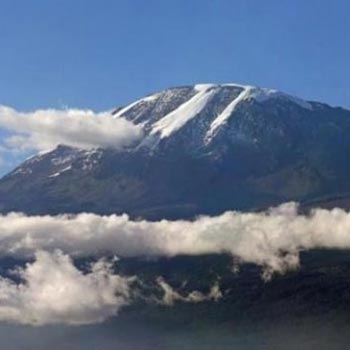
(102, 53)
(99, 53)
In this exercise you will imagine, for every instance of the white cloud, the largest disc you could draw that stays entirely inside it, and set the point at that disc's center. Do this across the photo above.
(52, 290)
(272, 239)
(45, 129)
(171, 296)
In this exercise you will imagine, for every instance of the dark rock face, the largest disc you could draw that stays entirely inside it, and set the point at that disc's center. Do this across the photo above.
(271, 148)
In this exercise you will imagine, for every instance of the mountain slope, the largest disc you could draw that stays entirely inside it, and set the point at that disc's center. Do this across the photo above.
(206, 148)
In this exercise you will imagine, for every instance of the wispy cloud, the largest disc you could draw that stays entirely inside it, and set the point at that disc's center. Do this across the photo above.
(45, 129)
(171, 295)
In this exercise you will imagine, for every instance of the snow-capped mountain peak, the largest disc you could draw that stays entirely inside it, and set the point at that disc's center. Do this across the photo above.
(205, 149)
(206, 107)
(185, 112)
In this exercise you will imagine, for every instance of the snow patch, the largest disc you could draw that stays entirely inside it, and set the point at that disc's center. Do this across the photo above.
(121, 112)
(227, 112)
(61, 160)
(262, 95)
(176, 119)
(62, 171)
(250, 92)
(202, 87)
(22, 171)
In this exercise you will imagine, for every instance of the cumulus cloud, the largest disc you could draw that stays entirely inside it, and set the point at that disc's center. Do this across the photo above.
(271, 239)
(45, 129)
(52, 290)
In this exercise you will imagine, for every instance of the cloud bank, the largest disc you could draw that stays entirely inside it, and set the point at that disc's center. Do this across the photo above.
(53, 290)
(271, 239)
(45, 129)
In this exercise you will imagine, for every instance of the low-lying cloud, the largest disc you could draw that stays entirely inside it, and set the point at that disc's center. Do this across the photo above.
(271, 239)
(52, 290)
(45, 129)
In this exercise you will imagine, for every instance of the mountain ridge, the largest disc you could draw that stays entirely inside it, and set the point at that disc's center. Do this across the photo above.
(206, 148)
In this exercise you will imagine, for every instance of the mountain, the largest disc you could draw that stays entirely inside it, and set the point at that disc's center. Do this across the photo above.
(206, 148)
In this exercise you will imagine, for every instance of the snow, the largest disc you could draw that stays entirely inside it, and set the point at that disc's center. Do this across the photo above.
(55, 174)
(128, 107)
(44, 152)
(227, 112)
(239, 86)
(262, 95)
(64, 159)
(62, 171)
(36, 157)
(91, 159)
(176, 119)
(201, 87)
(22, 171)
(250, 92)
